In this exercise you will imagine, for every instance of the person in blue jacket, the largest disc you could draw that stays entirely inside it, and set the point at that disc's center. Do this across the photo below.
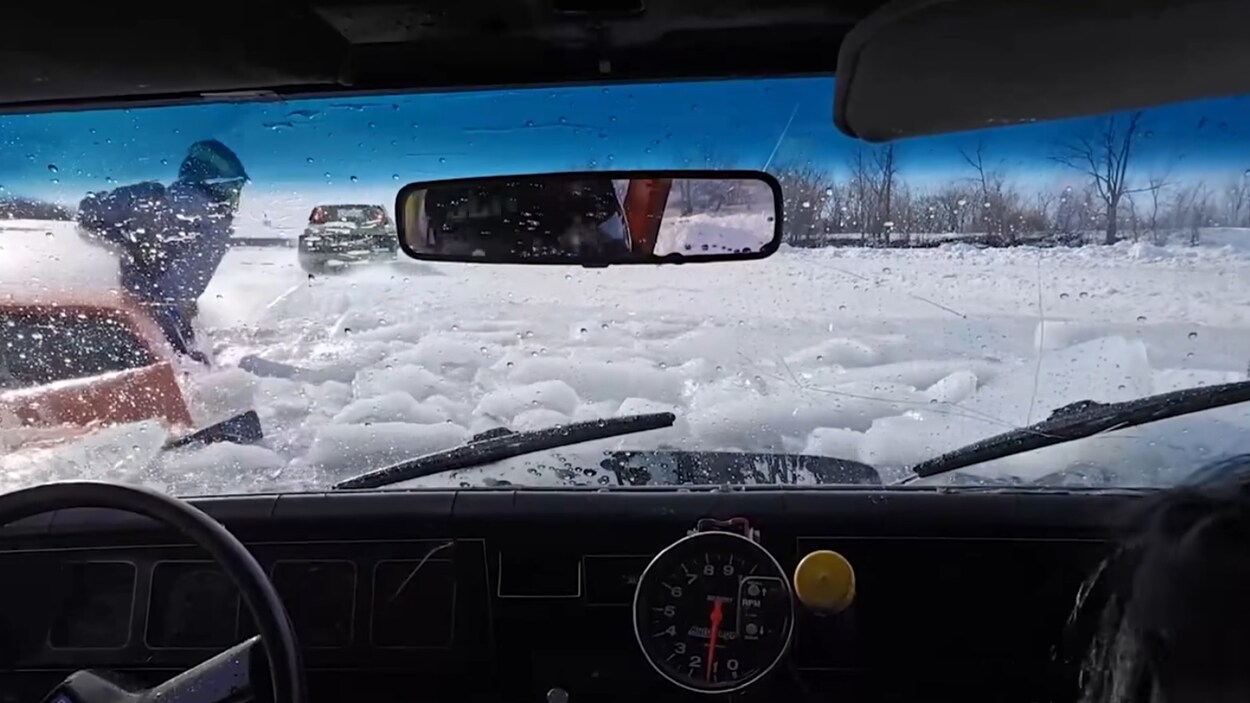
(171, 239)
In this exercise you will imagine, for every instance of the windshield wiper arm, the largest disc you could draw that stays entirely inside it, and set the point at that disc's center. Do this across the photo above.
(1083, 419)
(495, 445)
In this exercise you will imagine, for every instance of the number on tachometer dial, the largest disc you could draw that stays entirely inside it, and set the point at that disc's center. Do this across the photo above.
(713, 612)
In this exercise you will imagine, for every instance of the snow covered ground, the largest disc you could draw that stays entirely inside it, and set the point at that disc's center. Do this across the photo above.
(886, 356)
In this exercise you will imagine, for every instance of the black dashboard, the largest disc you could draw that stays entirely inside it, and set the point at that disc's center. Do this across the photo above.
(513, 595)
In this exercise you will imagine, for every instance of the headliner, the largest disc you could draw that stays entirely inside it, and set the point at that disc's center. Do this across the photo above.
(110, 54)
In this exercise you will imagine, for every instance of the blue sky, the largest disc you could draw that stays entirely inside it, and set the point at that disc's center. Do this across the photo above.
(377, 141)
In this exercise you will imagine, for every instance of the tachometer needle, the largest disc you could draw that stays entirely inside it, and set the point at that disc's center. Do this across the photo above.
(712, 635)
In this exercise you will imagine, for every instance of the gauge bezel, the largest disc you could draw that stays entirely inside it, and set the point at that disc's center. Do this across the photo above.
(683, 543)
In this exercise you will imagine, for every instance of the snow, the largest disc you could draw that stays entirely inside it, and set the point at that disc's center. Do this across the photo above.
(51, 257)
(884, 356)
(703, 233)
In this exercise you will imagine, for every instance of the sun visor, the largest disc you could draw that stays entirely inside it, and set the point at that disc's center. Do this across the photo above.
(104, 55)
(925, 67)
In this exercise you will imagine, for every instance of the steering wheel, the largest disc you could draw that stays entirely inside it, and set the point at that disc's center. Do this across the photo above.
(223, 677)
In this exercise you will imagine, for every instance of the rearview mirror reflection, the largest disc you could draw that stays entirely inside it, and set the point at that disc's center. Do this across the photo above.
(593, 219)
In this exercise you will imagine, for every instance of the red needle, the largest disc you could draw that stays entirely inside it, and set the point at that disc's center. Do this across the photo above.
(711, 637)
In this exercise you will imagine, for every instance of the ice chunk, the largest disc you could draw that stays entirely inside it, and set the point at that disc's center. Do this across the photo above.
(397, 406)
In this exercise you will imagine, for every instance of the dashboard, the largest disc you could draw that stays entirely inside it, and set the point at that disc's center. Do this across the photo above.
(571, 595)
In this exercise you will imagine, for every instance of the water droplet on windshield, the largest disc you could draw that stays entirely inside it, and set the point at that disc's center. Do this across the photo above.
(394, 176)
(1141, 318)
(563, 120)
(442, 159)
(887, 269)
(353, 179)
(52, 168)
(1064, 296)
(529, 123)
(1084, 294)
(1193, 335)
(604, 325)
(1120, 387)
(841, 307)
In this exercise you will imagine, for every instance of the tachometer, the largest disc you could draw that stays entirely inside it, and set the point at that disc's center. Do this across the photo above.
(713, 612)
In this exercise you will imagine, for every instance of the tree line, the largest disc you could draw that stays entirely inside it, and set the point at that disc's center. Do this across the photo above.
(1107, 199)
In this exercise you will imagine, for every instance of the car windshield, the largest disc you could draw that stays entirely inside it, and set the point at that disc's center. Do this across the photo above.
(347, 213)
(43, 348)
(928, 293)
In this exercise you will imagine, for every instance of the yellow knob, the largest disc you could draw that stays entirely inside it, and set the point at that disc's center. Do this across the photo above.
(824, 580)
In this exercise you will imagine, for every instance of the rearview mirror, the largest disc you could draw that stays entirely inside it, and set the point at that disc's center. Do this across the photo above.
(597, 218)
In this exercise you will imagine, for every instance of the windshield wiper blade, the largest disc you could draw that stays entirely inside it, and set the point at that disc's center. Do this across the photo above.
(495, 445)
(1083, 419)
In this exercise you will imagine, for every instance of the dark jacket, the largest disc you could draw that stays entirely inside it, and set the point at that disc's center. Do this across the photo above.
(169, 240)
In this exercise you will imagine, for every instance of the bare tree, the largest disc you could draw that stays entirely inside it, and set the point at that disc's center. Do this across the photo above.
(1192, 210)
(887, 171)
(1236, 200)
(1104, 156)
(1134, 220)
(989, 186)
(1155, 185)
(1074, 214)
(952, 205)
(809, 201)
(873, 180)
(862, 192)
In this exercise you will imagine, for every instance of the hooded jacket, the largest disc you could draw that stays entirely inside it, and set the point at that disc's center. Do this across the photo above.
(169, 240)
